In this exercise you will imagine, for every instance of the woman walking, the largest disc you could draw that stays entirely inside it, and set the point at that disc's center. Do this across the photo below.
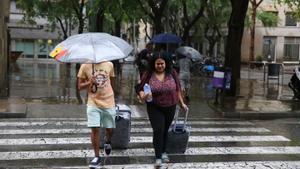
(164, 96)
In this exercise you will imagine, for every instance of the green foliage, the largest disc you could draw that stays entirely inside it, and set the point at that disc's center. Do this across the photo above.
(53, 11)
(268, 19)
(294, 5)
(259, 58)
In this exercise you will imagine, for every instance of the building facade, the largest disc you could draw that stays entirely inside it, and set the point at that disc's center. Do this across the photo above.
(282, 42)
(33, 43)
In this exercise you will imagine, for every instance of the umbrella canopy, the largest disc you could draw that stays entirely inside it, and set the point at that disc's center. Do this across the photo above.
(166, 38)
(189, 52)
(91, 48)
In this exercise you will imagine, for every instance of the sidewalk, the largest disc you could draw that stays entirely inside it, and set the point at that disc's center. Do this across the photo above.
(258, 100)
(255, 99)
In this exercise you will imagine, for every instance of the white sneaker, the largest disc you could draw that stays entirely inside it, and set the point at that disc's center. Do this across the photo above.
(165, 158)
(158, 163)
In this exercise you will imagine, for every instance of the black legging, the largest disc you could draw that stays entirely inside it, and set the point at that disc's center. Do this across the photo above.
(160, 119)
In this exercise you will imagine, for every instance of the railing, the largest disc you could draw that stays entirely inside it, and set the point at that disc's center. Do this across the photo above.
(271, 70)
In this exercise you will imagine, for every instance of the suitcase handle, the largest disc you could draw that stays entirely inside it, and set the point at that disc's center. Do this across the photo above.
(118, 116)
(176, 120)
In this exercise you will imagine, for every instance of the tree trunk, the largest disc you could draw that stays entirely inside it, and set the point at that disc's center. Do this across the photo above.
(118, 23)
(211, 48)
(234, 41)
(158, 26)
(252, 33)
(99, 21)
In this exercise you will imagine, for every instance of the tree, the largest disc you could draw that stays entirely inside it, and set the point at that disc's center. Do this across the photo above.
(154, 9)
(294, 5)
(216, 15)
(54, 11)
(254, 5)
(190, 21)
(234, 41)
(182, 16)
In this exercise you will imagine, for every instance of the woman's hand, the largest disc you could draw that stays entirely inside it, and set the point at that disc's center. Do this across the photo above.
(143, 97)
(184, 106)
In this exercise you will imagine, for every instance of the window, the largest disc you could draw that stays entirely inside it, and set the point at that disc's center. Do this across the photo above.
(290, 20)
(43, 48)
(269, 47)
(291, 48)
(27, 46)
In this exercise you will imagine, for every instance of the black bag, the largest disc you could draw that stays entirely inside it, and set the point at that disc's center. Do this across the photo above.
(178, 134)
(121, 134)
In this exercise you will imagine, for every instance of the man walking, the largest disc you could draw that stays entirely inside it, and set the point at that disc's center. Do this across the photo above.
(101, 112)
(185, 64)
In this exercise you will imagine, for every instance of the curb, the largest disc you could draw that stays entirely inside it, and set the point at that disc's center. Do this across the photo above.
(245, 114)
(19, 111)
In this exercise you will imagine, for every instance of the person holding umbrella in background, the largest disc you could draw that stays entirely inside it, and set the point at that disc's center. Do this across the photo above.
(186, 55)
(184, 64)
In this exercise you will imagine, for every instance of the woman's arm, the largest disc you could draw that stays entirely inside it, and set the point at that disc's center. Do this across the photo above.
(181, 102)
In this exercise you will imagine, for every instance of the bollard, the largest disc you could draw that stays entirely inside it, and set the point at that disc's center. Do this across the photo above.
(218, 82)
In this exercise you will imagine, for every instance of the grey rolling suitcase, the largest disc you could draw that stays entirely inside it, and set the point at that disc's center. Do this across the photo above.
(178, 135)
(121, 134)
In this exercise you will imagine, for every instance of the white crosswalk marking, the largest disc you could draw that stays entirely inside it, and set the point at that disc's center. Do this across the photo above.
(58, 139)
(212, 165)
(148, 152)
(133, 130)
(83, 123)
(133, 139)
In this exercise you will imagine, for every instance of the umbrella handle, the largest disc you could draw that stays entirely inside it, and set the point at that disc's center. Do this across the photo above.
(94, 88)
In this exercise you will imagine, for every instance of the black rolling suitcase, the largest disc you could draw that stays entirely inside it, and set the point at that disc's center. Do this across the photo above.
(178, 135)
(121, 134)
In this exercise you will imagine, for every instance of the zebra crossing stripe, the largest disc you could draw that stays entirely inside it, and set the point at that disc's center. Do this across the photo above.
(138, 139)
(213, 129)
(133, 130)
(58, 154)
(208, 165)
(205, 123)
(84, 123)
(219, 139)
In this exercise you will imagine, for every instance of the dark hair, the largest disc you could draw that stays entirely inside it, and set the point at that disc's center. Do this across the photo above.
(161, 55)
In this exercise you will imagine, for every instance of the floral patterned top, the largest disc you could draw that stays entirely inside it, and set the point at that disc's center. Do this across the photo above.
(164, 93)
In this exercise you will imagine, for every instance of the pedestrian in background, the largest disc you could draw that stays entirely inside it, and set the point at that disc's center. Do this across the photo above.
(98, 79)
(185, 64)
(165, 94)
(143, 58)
